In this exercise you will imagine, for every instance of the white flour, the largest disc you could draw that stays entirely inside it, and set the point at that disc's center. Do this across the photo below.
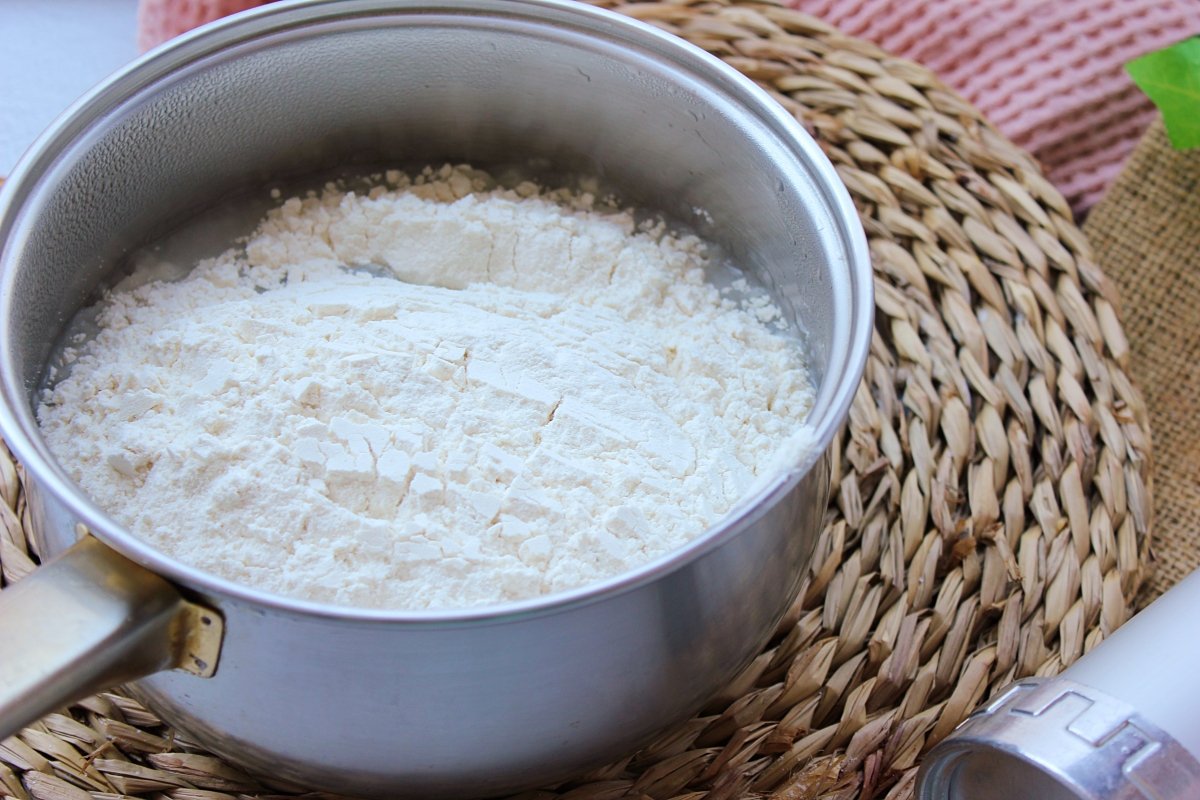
(548, 396)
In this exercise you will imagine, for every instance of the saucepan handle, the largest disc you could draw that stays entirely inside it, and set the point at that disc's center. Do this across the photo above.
(91, 619)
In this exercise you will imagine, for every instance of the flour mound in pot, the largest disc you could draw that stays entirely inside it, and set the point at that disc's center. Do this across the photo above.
(431, 394)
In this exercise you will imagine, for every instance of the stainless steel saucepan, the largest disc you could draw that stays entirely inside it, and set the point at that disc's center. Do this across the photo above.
(391, 703)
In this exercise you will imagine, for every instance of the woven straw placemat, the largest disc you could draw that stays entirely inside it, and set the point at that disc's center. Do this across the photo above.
(990, 510)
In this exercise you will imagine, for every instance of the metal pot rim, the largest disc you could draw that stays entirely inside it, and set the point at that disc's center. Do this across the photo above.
(20, 429)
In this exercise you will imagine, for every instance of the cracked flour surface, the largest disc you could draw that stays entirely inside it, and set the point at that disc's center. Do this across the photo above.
(549, 395)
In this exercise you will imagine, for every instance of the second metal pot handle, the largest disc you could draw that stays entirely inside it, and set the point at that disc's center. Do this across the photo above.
(91, 619)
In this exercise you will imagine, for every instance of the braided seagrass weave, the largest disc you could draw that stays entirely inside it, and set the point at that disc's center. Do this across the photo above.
(990, 512)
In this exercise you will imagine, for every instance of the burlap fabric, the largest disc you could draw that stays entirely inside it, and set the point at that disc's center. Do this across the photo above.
(1146, 236)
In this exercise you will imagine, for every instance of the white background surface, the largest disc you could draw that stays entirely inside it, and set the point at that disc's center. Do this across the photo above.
(51, 52)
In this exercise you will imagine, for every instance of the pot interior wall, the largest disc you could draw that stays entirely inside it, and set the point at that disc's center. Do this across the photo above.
(399, 89)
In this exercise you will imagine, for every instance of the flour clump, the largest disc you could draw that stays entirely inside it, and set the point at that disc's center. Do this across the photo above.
(432, 393)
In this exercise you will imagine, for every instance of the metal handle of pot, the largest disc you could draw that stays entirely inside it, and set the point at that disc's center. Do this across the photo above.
(91, 619)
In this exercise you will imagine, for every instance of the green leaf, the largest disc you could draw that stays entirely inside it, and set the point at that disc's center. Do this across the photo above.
(1171, 78)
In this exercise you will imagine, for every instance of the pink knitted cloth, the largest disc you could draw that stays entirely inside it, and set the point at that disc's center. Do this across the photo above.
(159, 20)
(1048, 73)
